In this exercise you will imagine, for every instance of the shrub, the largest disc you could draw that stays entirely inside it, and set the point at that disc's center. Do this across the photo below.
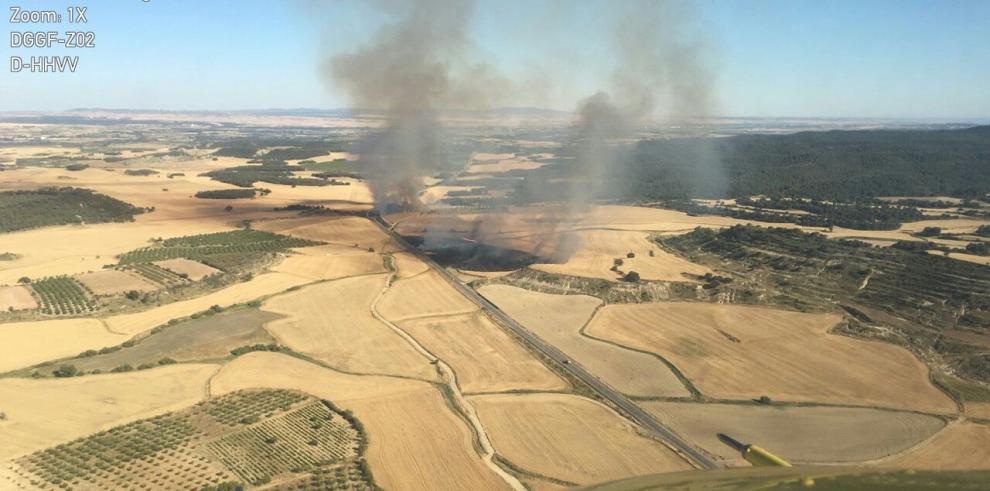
(930, 232)
(133, 295)
(632, 277)
(631, 255)
(24, 280)
(978, 248)
(66, 371)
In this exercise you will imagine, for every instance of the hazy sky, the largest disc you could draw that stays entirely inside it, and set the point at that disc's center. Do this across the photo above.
(857, 58)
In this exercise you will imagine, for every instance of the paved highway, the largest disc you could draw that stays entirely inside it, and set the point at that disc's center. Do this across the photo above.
(636, 413)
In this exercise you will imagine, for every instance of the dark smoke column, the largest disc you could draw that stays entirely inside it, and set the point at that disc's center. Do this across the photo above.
(412, 68)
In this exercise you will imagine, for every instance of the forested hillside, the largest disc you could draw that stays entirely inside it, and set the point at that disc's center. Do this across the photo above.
(829, 165)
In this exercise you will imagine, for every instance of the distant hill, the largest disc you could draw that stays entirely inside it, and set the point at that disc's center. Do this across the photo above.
(823, 165)
(841, 165)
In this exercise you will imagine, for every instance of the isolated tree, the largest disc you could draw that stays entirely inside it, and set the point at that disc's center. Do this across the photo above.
(631, 255)
(617, 262)
(24, 280)
(632, 277)
(66, 371)
(228, 208)
(133, 295)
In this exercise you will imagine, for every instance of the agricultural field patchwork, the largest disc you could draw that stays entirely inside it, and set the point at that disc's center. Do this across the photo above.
(227, 251)
(745, 352)
(253, 437)
(559, 319)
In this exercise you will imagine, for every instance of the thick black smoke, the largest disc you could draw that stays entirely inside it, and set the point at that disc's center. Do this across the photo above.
(411, 69)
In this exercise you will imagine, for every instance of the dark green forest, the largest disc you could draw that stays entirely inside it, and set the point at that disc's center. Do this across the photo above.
(21, 210)
(826, 165)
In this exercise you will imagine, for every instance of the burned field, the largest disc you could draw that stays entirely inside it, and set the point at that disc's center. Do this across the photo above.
(249, 437)
(470, 254)
(902, 296)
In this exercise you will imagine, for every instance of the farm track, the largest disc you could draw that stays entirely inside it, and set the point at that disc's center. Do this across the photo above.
(488, 452)
(634, 412)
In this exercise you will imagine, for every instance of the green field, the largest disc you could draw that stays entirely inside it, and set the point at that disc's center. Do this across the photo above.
(206, 338)
(20, 210)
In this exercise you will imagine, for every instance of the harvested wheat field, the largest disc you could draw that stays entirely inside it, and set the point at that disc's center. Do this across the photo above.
(348, 231)
(415, 441)
(194, 270)
(570, 438)
(206, 338)
(425, 295)
(77, 249)
(332, 322)
(23, 344)
(742, 352)
(42, 413)
(978, 410)
(961, 445)
(327, 263)
(16, 298)
(502, 165)
(483, 356)
(408, 265)
(558, 319)
(356, 192)
(259, 286)
(115, 282)
(985, 260)
(798, 434)
(596, 250)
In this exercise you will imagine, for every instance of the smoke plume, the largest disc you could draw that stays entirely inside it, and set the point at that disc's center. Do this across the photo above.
(661, 72)
(412, 68)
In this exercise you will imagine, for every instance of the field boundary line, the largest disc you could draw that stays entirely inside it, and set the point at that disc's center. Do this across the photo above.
(487, 450)
(681, 377)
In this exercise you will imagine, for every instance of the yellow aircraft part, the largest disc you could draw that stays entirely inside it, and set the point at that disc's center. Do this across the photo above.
(761, 458)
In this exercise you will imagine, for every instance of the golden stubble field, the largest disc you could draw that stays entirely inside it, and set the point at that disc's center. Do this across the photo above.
(43, 413)
(114, 282)
(423, 295)
(330, 262)
(961, 446)
(743, 352)
(558, 319)
(332, 322)
(570, 438)
(346, 231)
(415, 441)
(195, 270)
(798, 434)
(16, 297)
(23, 344)
(596, 250)
(484, 357)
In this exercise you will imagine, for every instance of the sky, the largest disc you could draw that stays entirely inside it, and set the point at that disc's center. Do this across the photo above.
(768, 58)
